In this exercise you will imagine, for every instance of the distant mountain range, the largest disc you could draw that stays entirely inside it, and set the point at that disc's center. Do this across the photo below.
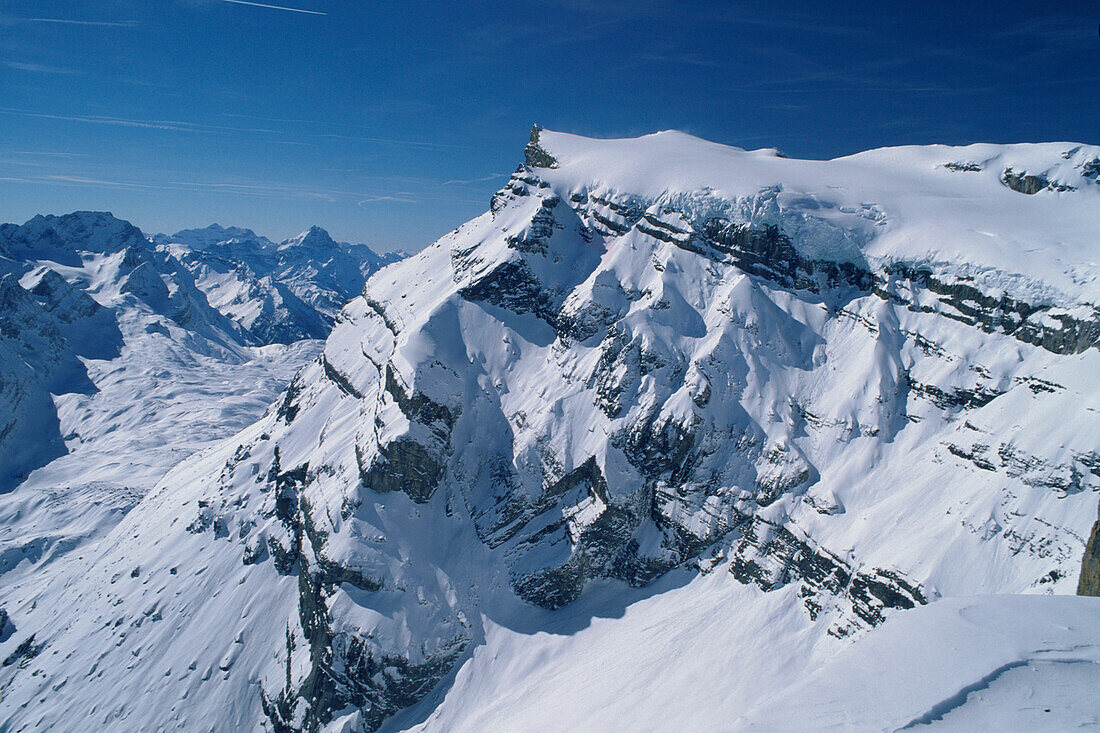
(67, 282)
(277, 292)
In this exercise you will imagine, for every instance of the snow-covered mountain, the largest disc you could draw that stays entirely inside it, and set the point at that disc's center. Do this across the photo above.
(65, 282)
(68, 282)
(113, 367)
(656, 442)
(277, 293)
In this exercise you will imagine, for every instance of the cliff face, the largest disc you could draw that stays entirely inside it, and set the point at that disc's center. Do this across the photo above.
(1089, 583)
(651, 362)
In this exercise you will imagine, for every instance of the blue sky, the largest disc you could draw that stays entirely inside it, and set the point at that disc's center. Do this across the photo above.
(392, 123)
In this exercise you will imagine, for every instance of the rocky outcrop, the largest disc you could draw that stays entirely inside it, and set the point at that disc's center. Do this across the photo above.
(1032, 184)
(513, 286)
(1054, 329)
(7, 628)
(534, 155)
(771, 556)
(1024, 183)
(1089, 583)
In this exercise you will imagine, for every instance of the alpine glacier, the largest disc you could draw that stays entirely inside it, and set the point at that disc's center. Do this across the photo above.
(654, 443)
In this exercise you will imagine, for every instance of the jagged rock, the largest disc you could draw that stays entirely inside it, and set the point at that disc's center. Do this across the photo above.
(1089, 582)
(7, 628)
(1024, 183)
(534, 155)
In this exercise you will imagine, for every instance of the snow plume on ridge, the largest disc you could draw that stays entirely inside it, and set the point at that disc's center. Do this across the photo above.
(660, 380)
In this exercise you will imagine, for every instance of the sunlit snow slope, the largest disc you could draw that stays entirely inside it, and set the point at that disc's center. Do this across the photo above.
(669, 413)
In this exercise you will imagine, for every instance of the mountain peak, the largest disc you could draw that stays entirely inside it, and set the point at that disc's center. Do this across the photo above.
(313, 237)
(205, 237)
(534, 155)
(93, 231)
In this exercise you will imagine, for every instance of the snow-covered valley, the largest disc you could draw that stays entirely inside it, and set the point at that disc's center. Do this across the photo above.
(675, 436)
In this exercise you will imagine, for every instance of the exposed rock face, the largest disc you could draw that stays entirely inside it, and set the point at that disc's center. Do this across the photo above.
(534, 155)
(1023, 183)
(1089, 583)
(7, 628)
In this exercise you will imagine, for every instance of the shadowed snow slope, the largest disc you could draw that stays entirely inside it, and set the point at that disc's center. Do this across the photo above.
(671, 426)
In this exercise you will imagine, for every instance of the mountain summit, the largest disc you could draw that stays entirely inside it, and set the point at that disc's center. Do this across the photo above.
(313, 238)
(677, 421)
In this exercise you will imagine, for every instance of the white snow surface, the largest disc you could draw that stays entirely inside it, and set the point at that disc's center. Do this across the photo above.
(674, 661)
(561, 336)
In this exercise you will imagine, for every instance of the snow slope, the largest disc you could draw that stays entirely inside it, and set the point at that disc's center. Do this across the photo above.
(665, 406)
(994, 662)
(114, 369)
(673, 661)
(66, 282)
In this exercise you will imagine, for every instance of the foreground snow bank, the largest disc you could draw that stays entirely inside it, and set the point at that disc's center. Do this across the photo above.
(684, 659)
(981, 663)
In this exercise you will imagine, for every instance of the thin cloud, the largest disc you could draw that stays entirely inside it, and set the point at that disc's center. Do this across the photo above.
(257, 189)
(274, 7)
(395, 199)
(67, 21)
(122, 122)
(460, 181)
(340, 136)
(179, 126)
(51, 154)
(40, 68)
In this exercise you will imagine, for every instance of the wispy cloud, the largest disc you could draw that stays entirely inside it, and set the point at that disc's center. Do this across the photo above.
(342, 136)
(118, 121)
(50, 154)
(460, 181)
(69, 21)
(259, 189)
(195, 127)
(39, 68)
(397, 199)
(274, 7)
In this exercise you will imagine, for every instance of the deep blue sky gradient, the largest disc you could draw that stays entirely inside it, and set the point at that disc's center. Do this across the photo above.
(391, 123)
